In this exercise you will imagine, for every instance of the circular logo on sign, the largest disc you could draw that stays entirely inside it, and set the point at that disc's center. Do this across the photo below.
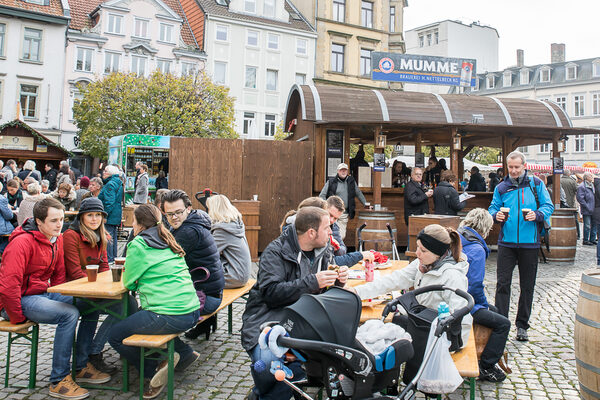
(15, 140)
(386, 65)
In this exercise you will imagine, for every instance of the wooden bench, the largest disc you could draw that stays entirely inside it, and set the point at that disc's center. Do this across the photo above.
(30, 332)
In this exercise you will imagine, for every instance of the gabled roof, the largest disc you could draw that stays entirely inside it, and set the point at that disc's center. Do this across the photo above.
(54, 8)
(195, 18)
(211, 7)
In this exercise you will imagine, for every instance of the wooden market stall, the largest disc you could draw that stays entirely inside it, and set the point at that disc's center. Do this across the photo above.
(333, 117)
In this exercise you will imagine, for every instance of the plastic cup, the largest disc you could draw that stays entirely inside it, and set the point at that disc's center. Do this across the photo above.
(505, 211)
(117, 272)
(120, 260)
(92, 272)
(255, 197)
(525, 211)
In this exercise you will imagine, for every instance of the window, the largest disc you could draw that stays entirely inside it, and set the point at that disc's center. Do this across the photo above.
(138, 65)
(29, 100)
(222, 32)
(141, 28)
(429, 39)
(166, 33)
(562, 102)
(115, 22)
(596, 104)
(188, 68)
(84, 59)
(596, 142)
(421, 41)
(252, 38)
(272, 76)
(2, 38)
(579, 103)
(579, 143)
(32, 44)
(1, 95)
(248, 123)
(337, 57)
(366, 14)
(339, 10)
(491, 82)
(545, 148)
(250, 6)
(270, 125)
(507, 79)
(571, 72)
(76, 97)
(300, 79)
(523, 149)
(365, 62)
(111, 62)
(273, 41)
(164, 66)
(40, 2)
(269, 8)
(524, 77)
(301, 45)
(545, 75)
(392, 18)
(220, 72)
(596, 68)
(250, 78)
(436, 37)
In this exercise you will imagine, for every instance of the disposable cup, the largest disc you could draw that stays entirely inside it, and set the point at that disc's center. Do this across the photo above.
(120, 260)
(117, 272)
(505, 211)
(92, 272)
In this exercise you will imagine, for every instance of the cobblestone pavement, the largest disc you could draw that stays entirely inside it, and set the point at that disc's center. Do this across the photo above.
(543, 368)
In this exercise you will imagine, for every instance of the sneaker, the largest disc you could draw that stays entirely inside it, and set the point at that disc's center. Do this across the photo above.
(522, 335)
(183, 364)
(68, 389)
(252, 395)
(162, 373)
(91, 375)
(587, 243)
(97, 360)
(493, 374)
(152, 392)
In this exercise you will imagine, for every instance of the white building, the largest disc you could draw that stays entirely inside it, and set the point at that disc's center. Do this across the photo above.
(138, 36)
(573, 85)
(32, 48)
(259, 49)
(455, 40)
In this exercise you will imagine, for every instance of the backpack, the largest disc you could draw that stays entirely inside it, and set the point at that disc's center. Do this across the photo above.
(543, 227)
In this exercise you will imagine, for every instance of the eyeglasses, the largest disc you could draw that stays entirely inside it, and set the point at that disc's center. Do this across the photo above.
(177, 213)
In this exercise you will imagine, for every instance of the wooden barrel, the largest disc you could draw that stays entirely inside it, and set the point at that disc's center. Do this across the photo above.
(376, 235)
(563, 235)
(587, 335)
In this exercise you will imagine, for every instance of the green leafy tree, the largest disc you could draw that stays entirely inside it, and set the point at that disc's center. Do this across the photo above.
(161, 104)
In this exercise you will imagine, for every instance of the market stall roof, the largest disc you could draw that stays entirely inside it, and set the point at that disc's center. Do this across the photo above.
(19, 140)
(479, 120)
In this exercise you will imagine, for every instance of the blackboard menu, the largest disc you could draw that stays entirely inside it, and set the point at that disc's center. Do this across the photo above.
(335, 151)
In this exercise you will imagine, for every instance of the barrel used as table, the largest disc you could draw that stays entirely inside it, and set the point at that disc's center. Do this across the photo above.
(587, 335)
(376, 235)
(563, 235)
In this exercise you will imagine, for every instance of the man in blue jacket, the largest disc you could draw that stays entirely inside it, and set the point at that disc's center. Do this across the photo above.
(519, 239)
(111, 196)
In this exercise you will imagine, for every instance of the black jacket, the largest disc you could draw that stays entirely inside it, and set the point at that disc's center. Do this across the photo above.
(51, 178)
(285, 273)
(445, 200)
(494, 181)
(596, 213)
(476, 183)
(416, 201)
(201, 251)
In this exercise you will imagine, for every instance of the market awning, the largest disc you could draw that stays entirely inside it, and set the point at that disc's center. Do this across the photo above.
(20, 141)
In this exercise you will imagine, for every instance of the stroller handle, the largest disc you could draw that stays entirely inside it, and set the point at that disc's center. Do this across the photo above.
(389, 228)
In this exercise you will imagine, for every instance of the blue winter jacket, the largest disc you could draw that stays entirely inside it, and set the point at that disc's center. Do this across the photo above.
(111, 196)
(516, 232)
(585, 197)
(6, 227)
(477, 252)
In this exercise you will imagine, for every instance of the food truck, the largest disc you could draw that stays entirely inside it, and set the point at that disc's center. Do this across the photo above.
(152, 150)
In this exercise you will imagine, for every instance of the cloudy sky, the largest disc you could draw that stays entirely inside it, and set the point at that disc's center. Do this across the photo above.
(530, 25)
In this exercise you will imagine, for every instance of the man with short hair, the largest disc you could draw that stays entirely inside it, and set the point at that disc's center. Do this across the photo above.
(519, 239)
(141, 186)
(335, 207)
(33, 261)
(111, 196)
(587, 203)
(50, 175)
(45, 186)
(476, 181)
(346, 188)
(293, 264)
(416, 199)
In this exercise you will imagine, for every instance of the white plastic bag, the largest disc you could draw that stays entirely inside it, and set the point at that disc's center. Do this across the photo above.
(440, 375)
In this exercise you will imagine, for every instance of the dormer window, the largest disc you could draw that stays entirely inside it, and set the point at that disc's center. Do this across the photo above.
(39, 2)
(571, 72)
(596, 68)
(491, 82)
(269, 8)
(545, 74)
(250, 6)
(507, 79)
(524, 77)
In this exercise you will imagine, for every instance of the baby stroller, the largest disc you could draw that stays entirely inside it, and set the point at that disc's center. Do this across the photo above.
(321, 330)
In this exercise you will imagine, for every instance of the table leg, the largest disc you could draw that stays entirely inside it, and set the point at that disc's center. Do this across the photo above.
(33, 357)
(472, 387)
(7, 369)
(125, 314)
(229, 318)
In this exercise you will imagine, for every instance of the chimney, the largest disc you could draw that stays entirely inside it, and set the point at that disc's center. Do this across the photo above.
(520, 58)
(557, 52)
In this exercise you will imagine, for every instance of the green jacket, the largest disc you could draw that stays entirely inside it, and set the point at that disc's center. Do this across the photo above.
(160, 276)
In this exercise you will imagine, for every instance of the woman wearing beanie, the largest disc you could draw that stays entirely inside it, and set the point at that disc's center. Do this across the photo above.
(84, 244)
(440, 261)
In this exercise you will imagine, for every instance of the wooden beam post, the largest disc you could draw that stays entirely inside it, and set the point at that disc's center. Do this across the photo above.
(418, 141)
(455, 157)
(506, 150)
(556, 179)
(377, 174)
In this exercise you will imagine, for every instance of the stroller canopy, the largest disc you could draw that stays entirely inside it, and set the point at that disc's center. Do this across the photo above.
(330, 317)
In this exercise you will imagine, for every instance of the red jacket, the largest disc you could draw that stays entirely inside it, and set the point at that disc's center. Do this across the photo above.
(79, 253)
(30, 265)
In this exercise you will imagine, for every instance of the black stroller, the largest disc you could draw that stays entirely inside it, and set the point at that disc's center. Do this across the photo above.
(322, 334)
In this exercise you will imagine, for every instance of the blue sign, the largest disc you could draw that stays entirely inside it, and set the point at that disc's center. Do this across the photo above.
(379, 169)
(412, 68)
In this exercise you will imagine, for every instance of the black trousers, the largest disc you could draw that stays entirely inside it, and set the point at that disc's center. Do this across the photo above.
(500, 326)
(527, 260)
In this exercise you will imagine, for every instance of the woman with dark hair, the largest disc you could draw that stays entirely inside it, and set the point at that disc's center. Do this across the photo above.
(445, 197)
(156, 269)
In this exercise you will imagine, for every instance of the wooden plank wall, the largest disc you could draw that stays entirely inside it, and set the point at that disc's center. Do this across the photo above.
(280, 172)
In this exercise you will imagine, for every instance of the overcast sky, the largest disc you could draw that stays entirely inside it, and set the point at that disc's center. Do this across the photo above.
(530, 25)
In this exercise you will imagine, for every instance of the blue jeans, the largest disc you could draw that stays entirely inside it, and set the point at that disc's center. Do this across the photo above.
(265, 385)
(102, 334)
(56, 309)
(111, 249)
(150, 323)
(210, 305)
(589, 229)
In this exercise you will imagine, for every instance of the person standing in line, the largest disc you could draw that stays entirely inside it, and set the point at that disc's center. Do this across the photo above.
(111, 196)
(416, 198)
(445, 196)
(586, 198)
(519, 240)
(344, 186)
(141, 186)
(476, 181)
(569, 184)
(50, 175)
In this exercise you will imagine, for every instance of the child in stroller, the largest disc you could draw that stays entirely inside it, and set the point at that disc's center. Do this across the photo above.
(321, 330)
